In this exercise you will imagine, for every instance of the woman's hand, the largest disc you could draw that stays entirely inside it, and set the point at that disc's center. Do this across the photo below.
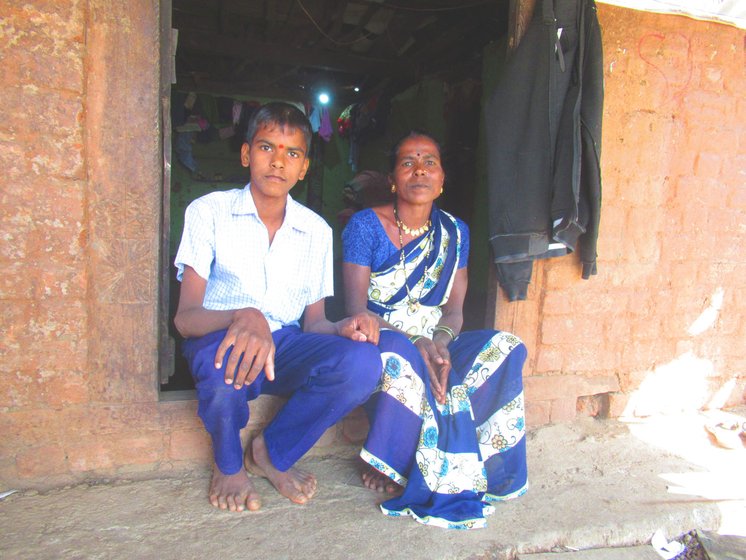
(438, 361)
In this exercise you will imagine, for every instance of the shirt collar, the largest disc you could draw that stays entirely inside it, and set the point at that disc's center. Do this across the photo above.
(244, 204)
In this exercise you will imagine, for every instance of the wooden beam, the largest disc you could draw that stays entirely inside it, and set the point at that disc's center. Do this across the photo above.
(211, 44)
(214, 87)
(245, 89)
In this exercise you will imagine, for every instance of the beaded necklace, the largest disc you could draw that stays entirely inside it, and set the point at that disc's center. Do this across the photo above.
(412, 303)
(409, 231)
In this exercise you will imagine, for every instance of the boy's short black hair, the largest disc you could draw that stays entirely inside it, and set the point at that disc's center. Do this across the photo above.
(279, 113)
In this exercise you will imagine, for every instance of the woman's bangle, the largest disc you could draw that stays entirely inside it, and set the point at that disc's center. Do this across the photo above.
(414, 338)
(447, 330)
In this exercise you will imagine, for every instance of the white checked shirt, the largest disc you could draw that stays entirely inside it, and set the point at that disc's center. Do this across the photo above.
(227, 244)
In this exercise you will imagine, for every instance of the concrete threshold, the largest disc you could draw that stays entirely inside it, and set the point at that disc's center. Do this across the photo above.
(598, 487)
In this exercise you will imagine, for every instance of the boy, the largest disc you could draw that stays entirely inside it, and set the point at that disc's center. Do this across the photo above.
(251, 262)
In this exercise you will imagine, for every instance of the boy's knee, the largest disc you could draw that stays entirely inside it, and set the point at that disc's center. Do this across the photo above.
(221, 397)
(362, 364)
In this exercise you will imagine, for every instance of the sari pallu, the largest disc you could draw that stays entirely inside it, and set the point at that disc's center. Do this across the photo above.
(430, 264)
(454, 460)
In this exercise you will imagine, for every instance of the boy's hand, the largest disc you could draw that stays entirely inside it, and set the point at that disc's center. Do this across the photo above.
(252, 343)
(362, 327)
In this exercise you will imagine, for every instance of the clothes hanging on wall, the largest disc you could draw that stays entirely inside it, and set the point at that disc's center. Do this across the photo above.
(543, 123)
(314, 117)
(321, 122)
(361, 121)
(325, 129)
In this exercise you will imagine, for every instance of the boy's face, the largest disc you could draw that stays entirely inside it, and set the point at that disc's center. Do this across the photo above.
(277, 158)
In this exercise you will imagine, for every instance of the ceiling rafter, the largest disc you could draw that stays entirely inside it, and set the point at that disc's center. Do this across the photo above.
(292, 45)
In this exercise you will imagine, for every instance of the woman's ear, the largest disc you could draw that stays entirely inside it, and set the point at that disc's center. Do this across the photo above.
(245, 160)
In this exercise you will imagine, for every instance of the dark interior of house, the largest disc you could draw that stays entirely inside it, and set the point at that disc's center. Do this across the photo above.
(386, 67)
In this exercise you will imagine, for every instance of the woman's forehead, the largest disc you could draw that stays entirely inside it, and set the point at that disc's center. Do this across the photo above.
(418, 146)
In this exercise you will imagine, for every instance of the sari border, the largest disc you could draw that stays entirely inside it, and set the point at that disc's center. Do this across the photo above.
(382, 467)
(494, 498)
(465, 524)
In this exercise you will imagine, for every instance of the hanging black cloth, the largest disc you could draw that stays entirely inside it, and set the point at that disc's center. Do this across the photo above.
(543, 123)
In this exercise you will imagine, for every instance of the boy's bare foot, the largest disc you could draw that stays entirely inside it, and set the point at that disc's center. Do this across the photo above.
(376, 480)
(233, 492)
(295, 484)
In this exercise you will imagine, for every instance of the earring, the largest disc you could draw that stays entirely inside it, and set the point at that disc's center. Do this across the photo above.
(441, 190)
(393, 188)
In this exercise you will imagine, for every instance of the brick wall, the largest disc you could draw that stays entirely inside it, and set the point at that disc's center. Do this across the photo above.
(661, 328)
(79, 146)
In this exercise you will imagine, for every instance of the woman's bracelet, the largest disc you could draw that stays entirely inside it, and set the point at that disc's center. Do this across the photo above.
(414, 338)
(447, 330)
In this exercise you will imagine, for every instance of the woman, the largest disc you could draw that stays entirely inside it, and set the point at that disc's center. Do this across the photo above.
(446, 422)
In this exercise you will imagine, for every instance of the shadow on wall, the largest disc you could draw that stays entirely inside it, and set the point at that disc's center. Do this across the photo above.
(688, 382)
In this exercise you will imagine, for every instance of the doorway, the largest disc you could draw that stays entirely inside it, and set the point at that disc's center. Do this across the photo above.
(409, 66)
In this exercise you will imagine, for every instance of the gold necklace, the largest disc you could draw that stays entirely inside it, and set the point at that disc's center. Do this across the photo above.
(412, 303)
(409, 231)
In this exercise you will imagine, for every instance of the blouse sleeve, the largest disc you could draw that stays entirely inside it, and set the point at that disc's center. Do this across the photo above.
(464, 256)
(357, 240)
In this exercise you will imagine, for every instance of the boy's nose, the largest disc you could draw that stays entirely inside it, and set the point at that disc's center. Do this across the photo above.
(278, 161)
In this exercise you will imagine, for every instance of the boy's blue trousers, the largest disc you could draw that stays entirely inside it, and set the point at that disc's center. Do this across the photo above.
(323, 376)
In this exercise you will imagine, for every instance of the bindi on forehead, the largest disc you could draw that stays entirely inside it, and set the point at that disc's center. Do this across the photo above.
(281, 146)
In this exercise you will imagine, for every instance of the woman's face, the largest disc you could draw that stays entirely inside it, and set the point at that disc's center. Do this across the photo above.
(418, 173)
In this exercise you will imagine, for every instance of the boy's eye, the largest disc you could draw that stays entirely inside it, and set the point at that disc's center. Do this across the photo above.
(293, 154)
(264, 147)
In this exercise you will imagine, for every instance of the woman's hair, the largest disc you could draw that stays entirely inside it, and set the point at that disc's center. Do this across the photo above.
(411, 134)
(279, 113)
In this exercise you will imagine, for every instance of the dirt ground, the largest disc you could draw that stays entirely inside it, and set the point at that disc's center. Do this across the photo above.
(599, 489)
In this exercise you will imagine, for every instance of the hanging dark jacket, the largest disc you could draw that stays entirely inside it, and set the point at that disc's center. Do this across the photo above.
(543, 124)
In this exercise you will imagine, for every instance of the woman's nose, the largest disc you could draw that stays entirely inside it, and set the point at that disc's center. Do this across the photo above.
(419, 170)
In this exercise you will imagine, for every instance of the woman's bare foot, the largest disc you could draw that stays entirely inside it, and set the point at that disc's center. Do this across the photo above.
(376, 480)
(233, 492)
(295, 484)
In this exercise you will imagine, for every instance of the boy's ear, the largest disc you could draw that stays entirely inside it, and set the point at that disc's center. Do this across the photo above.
(304, 170)
(245, 160)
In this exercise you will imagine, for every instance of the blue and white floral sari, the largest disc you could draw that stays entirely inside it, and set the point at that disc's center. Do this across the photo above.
(456, 459)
